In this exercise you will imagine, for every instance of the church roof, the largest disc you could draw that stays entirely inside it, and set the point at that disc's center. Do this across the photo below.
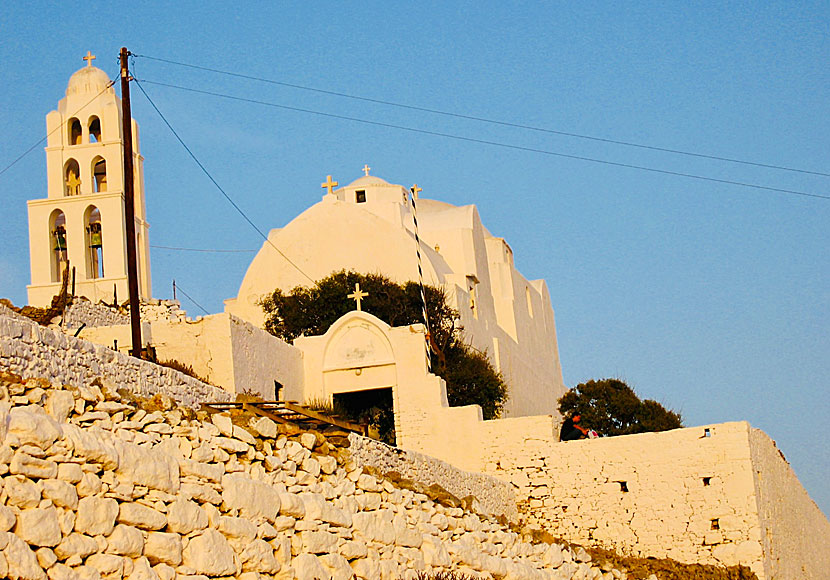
(89, 79)
(368, 180)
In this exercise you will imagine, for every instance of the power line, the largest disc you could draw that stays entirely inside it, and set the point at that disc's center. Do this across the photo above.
(60, 125)
(493, 143)
(201, 250)
(488, 120)
(179, 288)
(219, 187)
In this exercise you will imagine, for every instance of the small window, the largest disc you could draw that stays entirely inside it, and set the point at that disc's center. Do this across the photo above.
(75, 132)
(623, 486)
(707, 432)
(715, 524)
(94, 130)
(99, 172)
(360, 196)
(707, 481)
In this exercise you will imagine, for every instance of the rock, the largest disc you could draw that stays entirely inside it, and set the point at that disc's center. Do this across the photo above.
(92, 444)
(126, 541)
(581, 555)
(265, 427)
(243, 435)
(231, 445)
(165, 572)
(90, 484)
(32, 426)
(368, 482)
(252, 498)
(142, 571)
(201, 493)
(62, 572)
(21, 492)
(22, 561)
(33, 467)
(210, 553)
(107, 565)
(206, 471)
(70, 472)
(366, 568)
(7, 519)
(337, 566)
(223, 423)
(238, 528)
(435, 554)
(328, 464)
(308, 440)
(61, 493)
(309, 566)
(96, 515)
(320, 542)
(317, 508)
(161, 547)
(76, 544)
(140, 516)
(553, 556)
(292, 505)
(258, 556)
(184, 516)
(38, 527)
(152, 469)
(87, 573)
(353, 549)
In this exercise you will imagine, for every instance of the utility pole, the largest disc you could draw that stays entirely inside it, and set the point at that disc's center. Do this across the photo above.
(129, 204)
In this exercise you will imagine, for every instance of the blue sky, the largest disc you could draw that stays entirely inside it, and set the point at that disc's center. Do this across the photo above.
(708, 297)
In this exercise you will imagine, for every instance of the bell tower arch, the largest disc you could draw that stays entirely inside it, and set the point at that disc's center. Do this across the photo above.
(85, 188)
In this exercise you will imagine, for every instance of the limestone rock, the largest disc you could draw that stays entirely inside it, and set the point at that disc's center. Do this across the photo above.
(210, 553)
(125, 541)
(161, 547)
(238, 528)
(107, 565)
(309, 566)
(201, 493)
(318, 542)
(61, 493)
(25, 464)
(142, 571)
(184, 516)
(366, 568)
(46, 558)
(96, 515)
(153, 469)
(32, 426)
(92, 444)
(265, 427)
(76, 544)
(141, 516)
(39, 527)
(223, 423)
(308, 440)
(22, 561)
(353, 549)
(62, 572)
(292, 505)
(258, 556)
(252, 498)
(317, 508)
(206, 471)
(70, 472)
(21, 492)
(7, 519)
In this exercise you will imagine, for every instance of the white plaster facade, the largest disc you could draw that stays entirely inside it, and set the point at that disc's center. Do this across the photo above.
(85, 177)
(367, 226)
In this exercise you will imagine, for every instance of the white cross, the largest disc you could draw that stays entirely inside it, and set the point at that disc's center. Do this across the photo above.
(415, 191)
(357, 295)
(329, 184)
(366, 169)
(89, 58)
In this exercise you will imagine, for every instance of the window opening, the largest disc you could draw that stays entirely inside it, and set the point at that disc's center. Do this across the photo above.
(75, 132)
(94, 130)
(360, 196)
(623, 486)
(95, 253)
(715, 524)
(472, 283)
(72, 178)
(99, 173)
(58, 243)
(707, 432)
(707, 481)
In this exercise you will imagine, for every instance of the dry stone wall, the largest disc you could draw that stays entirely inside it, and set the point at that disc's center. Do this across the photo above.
(31, 350)
(99, 487)
(492, 496)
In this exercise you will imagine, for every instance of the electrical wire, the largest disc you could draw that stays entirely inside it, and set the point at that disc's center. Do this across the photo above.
(32, 148)
(201, 250)
(219, 187)
(488, 142)
(179, 289)
(487, 120)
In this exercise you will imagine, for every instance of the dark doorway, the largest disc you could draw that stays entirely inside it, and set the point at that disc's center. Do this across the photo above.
(373, 406)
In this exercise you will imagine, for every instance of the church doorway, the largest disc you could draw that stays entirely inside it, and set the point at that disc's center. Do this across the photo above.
(372, 406)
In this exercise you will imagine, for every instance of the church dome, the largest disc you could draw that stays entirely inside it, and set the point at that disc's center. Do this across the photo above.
(368, 180)
(89, 79)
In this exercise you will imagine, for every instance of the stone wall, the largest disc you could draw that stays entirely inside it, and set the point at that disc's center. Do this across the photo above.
(31, 350)
(96, 487)
(795, 533)
(493, 496)
(705, 494)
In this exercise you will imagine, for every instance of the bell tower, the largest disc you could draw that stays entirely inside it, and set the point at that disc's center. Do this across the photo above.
(81, 223)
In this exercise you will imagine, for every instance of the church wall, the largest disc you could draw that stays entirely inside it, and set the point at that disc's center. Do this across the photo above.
(795, 532)
(30, 350)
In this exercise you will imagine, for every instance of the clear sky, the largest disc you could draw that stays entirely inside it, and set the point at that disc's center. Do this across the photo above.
(708, 297)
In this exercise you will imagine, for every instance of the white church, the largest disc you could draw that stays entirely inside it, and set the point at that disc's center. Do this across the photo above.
(719, 494)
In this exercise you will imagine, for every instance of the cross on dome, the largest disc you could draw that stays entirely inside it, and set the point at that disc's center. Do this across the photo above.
(357, 295)
(329, 184)
(366, 169)
(415, 191)
(89, 58)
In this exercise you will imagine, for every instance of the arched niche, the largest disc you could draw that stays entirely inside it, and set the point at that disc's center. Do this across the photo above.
(99, 175)
(58, 244)
(74, 131)
(94, 129)
(358, 355)
(94, 243)
(72, 178)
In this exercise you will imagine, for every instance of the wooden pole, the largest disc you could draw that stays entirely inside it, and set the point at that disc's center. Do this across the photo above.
(129, 204)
